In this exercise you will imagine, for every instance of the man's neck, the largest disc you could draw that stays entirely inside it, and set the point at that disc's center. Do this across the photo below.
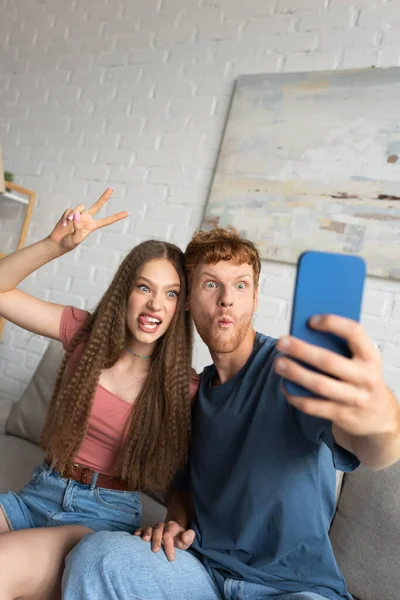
(228, 364)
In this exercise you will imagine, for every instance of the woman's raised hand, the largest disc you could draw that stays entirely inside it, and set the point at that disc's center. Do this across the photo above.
(77, 223)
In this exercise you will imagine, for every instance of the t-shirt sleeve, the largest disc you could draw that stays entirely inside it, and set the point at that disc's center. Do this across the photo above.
(319, 431)
(72, 320)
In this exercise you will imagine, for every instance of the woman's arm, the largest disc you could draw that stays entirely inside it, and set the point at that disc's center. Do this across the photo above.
(24, 310)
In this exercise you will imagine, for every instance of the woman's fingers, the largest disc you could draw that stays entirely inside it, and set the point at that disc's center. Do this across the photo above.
(111, 219)
(76, 213)
(65, 216)
(83, 221)
(100, 202)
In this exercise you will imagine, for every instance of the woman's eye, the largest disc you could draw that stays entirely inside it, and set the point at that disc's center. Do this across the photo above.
(241, 286)
(143, 288)
(210, 284)
(172, 294)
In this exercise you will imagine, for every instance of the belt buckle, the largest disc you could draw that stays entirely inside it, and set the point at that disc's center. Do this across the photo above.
(68, 472)
(84, 475)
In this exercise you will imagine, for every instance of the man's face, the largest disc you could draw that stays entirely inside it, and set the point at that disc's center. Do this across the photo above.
(222, 302)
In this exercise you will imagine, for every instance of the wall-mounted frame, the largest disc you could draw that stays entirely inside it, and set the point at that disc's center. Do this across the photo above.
(312, 161)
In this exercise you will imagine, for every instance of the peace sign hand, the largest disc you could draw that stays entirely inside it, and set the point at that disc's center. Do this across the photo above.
(76, 224)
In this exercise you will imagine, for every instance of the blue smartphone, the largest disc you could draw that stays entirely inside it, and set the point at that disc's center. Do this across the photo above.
(326, 283)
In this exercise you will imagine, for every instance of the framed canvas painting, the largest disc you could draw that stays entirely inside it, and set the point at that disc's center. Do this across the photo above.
(312, 161)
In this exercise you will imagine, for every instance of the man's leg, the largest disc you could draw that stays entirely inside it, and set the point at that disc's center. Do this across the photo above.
(118, 566)
(254, 591)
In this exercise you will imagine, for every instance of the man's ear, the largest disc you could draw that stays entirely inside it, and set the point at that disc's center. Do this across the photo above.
(255, 299)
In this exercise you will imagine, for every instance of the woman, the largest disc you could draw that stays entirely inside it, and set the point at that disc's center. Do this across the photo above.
(118, 421)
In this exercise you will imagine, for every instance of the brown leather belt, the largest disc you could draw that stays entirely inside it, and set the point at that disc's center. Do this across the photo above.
(85, 475)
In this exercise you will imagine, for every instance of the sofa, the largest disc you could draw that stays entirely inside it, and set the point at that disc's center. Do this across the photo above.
(365, 531)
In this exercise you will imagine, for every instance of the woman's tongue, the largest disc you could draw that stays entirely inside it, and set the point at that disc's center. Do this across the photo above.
(148, 322)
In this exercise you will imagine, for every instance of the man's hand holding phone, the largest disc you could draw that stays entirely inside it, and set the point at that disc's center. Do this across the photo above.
(351, 392)
(331, 368)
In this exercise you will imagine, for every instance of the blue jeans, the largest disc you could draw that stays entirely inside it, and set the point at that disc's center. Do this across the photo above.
(49, 500)
(118, 566)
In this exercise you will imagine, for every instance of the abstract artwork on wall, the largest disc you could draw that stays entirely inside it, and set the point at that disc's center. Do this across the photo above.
(312, 161)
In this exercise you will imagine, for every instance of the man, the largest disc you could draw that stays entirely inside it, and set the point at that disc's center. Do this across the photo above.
(262, 464)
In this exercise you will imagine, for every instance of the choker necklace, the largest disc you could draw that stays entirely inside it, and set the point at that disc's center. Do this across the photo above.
(134, 353)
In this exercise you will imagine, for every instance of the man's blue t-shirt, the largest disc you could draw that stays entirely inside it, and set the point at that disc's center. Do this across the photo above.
(263, 481)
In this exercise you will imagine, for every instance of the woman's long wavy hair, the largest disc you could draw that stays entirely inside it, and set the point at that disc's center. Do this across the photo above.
(156, 436)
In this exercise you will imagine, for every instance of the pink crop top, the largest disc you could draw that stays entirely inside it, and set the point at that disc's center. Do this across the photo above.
(109, 413)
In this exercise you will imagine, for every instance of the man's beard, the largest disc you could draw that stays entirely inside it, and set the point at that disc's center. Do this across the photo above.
(220, 341)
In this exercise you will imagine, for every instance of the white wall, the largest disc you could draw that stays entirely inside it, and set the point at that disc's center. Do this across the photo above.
(134, 94)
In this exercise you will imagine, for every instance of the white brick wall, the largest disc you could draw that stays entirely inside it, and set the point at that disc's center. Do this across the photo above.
(135, 95)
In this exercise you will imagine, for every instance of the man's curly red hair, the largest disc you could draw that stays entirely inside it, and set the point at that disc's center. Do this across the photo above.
(219, 244)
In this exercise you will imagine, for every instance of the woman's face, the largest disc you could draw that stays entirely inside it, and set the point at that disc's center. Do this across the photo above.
(153, 301)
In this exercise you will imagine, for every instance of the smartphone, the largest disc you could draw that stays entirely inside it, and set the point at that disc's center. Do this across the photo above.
(326, 283)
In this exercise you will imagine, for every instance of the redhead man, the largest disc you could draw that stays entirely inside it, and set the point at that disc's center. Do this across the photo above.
(251, 516)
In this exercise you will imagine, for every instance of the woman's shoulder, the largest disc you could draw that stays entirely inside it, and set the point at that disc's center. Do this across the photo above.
(72, 320)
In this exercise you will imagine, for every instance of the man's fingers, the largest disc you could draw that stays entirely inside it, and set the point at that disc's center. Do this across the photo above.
(321, 385)
(112, 219)
(330, 411)
(169, 546)
(147, 534)
(324, 360)
(100, 202)
(157, 537)
(354, 334)
(172, 533)
(185, 540)
(169, 535)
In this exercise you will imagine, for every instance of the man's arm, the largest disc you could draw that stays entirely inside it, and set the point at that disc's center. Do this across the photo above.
(374, 451)
(180, 507)
(353, 396)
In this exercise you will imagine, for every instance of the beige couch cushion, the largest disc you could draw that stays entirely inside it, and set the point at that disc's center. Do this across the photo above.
(18, 457)
(5, 407)
(28, 415)
(365, 533)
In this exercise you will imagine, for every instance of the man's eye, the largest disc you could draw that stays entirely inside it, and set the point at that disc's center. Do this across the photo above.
(143, 288)
(241, 286)
(210, 284)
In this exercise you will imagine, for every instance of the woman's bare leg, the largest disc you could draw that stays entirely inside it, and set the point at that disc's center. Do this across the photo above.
(32, 561)
(4, 526)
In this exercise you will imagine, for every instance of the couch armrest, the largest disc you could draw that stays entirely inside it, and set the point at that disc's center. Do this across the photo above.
(5, 408)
